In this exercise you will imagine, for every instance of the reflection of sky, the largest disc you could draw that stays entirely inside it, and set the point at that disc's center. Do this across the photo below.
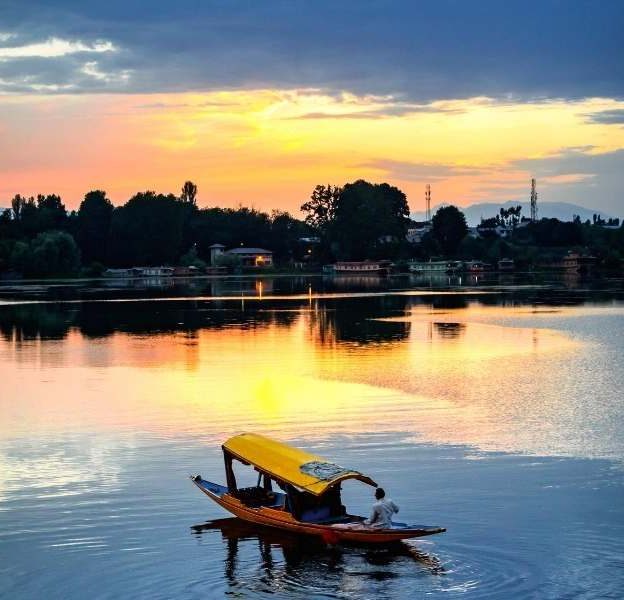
(447, 376)
(99, 427)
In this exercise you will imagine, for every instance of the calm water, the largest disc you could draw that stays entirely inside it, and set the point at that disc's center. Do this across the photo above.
(493, 408)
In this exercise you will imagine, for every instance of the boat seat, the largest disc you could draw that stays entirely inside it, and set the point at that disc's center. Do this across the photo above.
(258, 496)
(339, 519)
(316, 515)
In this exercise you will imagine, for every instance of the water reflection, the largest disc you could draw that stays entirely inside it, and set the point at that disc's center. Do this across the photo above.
(106, 406)
(450, 330)
(281, 559)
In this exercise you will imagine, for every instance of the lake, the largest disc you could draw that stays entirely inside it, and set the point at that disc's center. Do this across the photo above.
(491, 407)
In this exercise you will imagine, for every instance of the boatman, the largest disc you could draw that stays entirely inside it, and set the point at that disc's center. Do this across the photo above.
(383, 509)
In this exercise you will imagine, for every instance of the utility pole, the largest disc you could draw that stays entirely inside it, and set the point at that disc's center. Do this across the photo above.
(533, 201)
(428, 203)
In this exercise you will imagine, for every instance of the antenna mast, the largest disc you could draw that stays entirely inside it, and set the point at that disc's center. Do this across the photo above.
(428, 202)
(533, 201)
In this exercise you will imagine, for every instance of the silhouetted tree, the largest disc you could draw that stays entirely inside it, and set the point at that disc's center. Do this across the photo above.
(17, 203)
(321, 206)
(51, 212)
(369, 221)
(189, 192)
(147, 230)
(93, 228)
(449, 228)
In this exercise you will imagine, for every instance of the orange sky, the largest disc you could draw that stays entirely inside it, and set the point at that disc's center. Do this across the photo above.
(268, 148)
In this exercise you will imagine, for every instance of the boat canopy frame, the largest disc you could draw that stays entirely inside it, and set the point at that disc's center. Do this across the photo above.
(285, 464)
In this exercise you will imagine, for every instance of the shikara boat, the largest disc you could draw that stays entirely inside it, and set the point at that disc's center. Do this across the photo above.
(308, 501)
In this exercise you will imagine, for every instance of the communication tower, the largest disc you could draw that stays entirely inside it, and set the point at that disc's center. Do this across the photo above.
(428, 202)
(533, 201)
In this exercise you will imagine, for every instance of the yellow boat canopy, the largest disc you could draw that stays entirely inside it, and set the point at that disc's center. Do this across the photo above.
(307, 471)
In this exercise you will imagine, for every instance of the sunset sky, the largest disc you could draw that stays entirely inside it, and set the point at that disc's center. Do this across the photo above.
(257, 102)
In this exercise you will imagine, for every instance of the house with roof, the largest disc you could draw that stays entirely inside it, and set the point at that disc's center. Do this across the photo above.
(248, 257)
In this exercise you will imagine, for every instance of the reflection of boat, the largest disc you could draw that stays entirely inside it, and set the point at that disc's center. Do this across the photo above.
(286, 559)
(506, 264)
(475, 266)
(310, 500)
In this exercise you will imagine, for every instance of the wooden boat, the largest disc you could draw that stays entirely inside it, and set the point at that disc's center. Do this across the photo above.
(309, 501)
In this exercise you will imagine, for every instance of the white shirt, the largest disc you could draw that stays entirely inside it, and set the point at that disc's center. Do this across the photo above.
(381, 515)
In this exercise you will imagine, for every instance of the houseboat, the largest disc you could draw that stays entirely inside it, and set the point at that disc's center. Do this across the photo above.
(365, 267)
(309, 500)
(578, 263)
(436, 266)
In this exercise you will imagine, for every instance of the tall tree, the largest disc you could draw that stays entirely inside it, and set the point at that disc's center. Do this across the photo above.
(51, 212)
(321, 206)
(17, 203)
(449, 228)
(147, 230)
(189, 193)
(93, 229)
(366, 218)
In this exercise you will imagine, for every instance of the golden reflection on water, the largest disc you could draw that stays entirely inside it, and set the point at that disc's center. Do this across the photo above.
(449, 379)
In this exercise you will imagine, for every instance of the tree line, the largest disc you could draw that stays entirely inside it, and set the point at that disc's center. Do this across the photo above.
(39, 237)
(357, 221)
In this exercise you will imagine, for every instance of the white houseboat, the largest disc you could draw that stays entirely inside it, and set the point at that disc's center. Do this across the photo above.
(365, 267)
(436, 266)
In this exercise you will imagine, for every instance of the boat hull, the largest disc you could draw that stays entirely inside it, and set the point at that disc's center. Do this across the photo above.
(353, 532)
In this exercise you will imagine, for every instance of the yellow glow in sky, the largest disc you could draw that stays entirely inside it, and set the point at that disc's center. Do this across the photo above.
(268, 148)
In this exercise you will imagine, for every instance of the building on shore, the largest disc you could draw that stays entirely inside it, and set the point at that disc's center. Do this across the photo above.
(248, 257)
(252, 257)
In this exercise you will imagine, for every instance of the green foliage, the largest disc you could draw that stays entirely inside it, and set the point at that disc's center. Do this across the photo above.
(191, 259)
(20, 257)
(449, 228)
(95, 269)
(367, 221)
(231, 261)
(52, 253)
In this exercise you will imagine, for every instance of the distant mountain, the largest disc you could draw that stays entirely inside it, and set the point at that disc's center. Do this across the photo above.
(564, 211)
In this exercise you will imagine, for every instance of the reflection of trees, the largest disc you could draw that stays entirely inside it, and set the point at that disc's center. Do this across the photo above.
(31, 321)
(450, 301)
(356, 320)
(450, 330)
(101, 319)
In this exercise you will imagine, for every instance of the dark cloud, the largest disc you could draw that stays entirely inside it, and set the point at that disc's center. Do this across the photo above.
(417, 51)
(609, 117)
(391, 109)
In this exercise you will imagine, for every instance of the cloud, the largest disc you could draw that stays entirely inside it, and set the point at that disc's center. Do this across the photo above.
(607, 117)
(91, 69)
(390, 109)
(52, 48)
(419, 52)
(595, 181)
(408, 171)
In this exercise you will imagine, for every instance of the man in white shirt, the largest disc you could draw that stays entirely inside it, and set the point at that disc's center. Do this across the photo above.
(383, 509)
